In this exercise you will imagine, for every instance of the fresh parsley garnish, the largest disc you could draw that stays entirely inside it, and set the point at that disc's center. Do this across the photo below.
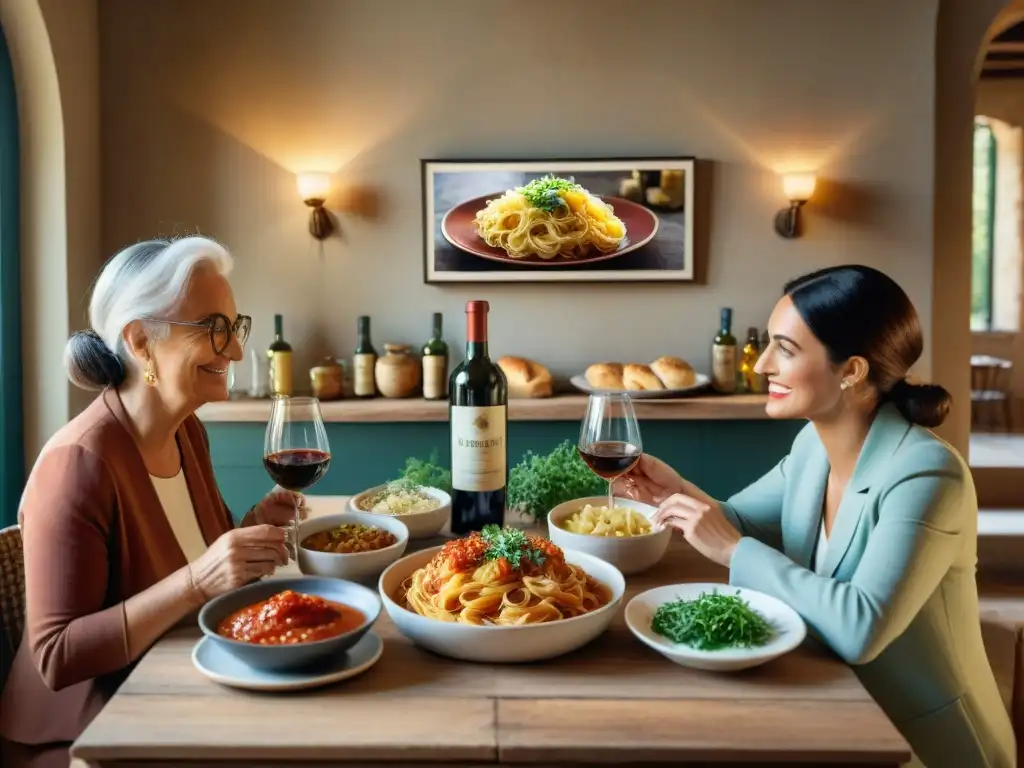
(539, 483)
(546, 193)
(712, 622)
(428, 474)
(510, 544)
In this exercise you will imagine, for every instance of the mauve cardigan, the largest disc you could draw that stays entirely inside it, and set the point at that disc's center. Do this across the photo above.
(94, 534)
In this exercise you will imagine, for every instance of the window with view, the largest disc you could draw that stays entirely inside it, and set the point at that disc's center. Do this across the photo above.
(997, 267)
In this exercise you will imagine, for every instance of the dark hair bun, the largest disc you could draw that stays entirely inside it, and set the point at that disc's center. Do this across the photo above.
(924, 404)
(90, 363)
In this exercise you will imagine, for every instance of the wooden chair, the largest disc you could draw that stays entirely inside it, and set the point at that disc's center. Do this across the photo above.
(12, 597)
(990, 392)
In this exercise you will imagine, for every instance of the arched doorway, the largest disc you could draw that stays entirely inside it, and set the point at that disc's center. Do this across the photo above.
(12, 441)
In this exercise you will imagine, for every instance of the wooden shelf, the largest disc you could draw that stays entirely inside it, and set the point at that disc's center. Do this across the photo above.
(558, 408)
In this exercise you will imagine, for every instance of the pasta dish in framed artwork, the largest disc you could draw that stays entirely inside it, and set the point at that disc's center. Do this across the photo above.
(627, 220)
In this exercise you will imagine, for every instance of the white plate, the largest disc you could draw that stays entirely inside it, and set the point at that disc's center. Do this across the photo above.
(790, 629)
(221, 667)
(580, 382)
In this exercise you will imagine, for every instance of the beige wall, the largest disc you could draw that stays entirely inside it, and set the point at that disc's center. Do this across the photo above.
(206, 119)
(211, 141)
(54, 52)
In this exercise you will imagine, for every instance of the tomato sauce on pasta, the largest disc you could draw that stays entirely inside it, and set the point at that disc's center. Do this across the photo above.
(474, 580)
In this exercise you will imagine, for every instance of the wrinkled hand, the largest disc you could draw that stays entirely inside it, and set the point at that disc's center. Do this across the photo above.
(703, 525)
(651, 481)
(236, 558)
(279, 508)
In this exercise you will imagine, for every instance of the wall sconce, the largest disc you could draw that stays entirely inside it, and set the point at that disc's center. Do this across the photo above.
(798, 188)
(313, 189)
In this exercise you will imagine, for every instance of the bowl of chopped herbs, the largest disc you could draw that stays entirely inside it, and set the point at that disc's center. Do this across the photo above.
(714, 626)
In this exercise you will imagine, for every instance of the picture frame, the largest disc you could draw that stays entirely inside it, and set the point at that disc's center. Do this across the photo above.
(510, 221)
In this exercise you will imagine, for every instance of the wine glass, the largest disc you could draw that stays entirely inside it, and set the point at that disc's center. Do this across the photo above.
(610, 438)
(296, 453)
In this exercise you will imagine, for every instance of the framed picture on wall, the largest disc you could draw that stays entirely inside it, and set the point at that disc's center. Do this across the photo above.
(625, 220)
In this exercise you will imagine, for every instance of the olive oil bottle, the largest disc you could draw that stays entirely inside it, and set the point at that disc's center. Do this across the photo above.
(279, 356)
(723, 356)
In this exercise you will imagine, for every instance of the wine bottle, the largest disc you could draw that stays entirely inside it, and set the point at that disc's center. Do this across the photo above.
(279, 356)
(478, 417)
(435, 364)
(751, 352)
(723, 356)
(363, 361)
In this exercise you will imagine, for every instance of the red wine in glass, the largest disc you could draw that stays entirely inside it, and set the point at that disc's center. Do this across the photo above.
(297, 468)
(296, 453)
(610, 458)
(610, 437)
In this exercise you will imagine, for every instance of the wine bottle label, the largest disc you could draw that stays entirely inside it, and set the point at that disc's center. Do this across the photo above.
(723, 367)
(362, 377)
(281, 373)
(435, 376)
(479, 450)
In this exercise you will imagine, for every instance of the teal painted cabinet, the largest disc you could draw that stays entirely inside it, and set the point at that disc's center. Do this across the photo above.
(720, 456)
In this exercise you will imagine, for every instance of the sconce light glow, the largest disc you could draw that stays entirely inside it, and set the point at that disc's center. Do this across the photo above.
(314, 186)
(798, 187)
(313, 189)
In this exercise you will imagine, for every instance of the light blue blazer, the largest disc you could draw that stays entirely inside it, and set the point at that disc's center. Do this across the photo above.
(896, 596)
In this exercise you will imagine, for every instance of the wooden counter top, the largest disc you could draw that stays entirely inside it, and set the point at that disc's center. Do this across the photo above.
(614, 700)
(558, 408)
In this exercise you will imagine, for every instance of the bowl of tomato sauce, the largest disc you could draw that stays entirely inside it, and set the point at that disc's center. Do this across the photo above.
(287, 623)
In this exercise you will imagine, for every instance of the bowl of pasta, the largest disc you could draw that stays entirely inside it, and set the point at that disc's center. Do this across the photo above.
(501, 595)
(355, 546)
(423, 510)
(623, 536)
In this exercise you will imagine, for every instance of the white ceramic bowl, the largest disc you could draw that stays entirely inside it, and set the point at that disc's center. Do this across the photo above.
(790, 629)
(353, 566)
(528, 642)
(421, 525)
(630, 555)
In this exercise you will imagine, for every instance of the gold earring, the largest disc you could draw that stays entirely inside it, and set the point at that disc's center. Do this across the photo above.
(844, 384)
(150, 375)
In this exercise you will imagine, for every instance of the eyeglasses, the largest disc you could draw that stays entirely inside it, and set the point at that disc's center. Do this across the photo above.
(221, 329)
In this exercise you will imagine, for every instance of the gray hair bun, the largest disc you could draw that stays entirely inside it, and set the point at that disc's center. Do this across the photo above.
(90, 363)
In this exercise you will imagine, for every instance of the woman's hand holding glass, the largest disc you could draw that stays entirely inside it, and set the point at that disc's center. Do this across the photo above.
(237, 558)
(279, 508)
(681, 505)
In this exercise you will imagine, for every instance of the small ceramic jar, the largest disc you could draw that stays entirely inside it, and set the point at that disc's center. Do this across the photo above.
(397, 372)
(327, 379)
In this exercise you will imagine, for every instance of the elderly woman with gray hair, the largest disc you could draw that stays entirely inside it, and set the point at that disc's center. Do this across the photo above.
(125, 531)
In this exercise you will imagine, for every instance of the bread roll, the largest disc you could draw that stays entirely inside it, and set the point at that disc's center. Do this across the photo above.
(525, 377)
(674, 372)
(605, 376)
(635, 376)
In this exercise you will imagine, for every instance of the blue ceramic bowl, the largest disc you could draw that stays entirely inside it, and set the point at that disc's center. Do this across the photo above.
(279, 657)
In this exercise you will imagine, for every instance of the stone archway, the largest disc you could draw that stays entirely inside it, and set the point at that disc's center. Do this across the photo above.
(963, 28)
(54, 48)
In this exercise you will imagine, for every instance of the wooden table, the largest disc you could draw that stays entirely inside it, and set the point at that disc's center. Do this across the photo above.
(614, 700)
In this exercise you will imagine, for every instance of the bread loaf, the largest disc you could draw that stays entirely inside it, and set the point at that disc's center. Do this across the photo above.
(674, 372)
(640, 377)
(605, 376)
(526, 378)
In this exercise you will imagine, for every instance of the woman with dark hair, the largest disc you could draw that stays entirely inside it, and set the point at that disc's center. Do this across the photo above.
(868, 528)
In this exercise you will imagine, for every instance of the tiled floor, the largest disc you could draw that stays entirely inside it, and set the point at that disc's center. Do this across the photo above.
(997, 450)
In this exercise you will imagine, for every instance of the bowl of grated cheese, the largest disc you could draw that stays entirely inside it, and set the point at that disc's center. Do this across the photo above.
(423, 509)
